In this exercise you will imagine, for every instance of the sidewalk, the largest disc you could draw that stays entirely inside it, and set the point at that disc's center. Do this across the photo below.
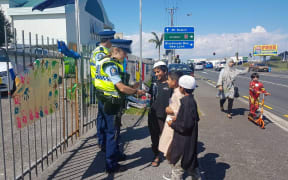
(228, 148)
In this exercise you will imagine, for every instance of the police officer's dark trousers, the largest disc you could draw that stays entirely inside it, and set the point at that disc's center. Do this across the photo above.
(100, 123)
(112, 137)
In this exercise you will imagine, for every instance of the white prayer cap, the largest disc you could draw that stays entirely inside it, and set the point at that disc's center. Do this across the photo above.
(187, 82)
(159, 63)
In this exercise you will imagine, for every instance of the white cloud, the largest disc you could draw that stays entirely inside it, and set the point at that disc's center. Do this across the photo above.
(258, 29)
(223, 45)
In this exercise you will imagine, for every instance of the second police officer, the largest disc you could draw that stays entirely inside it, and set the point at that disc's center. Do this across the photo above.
(100, 52)
(111, 90)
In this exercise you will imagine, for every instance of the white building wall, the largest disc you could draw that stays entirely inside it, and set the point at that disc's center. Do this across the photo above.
(87, 23)
(48, 25)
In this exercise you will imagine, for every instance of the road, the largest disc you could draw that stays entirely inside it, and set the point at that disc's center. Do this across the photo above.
(275, 83)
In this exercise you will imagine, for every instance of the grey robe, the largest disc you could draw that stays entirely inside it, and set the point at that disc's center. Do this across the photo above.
(226, 79)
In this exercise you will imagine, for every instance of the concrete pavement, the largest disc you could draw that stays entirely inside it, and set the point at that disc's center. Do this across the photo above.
(228, 148)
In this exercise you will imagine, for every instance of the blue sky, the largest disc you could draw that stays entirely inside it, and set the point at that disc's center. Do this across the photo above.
(212, 19)
(208, 16)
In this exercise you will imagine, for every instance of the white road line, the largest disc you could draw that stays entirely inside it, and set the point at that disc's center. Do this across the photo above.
(204, 72)
(277, 84)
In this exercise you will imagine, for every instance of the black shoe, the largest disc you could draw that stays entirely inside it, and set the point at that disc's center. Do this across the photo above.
(222, 109)
(119, 169)
(122, 157)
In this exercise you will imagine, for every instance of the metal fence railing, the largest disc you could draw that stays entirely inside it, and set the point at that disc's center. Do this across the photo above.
(30, 141)
(28, 147)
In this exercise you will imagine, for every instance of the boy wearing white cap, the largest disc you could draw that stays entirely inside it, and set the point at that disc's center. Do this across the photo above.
(160, 93)
(183, 152)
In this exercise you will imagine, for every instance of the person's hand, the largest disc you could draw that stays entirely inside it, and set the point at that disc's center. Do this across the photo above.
(173, 118)
(267, 94)
(136, 85)
(169, 123)
(220, 88)
(140, 92)
(169, 111)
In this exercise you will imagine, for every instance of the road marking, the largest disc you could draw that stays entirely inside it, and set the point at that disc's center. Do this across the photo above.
(266, 82)
(283, 85)
(286, 115)
(246, 97)
(267, 106)
(204, 72)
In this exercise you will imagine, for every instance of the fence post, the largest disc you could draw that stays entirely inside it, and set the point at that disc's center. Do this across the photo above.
(23, 44)
(10, 107)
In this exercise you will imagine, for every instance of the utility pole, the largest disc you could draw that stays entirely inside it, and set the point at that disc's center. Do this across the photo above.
(140, 36)
(171, 11)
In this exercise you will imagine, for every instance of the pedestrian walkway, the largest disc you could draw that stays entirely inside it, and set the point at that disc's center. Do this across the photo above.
(228, 148)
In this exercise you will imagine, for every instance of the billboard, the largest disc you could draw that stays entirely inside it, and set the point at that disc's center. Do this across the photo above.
(265, 50)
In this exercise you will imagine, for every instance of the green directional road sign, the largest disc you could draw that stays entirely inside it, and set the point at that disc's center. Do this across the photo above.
(179, 36)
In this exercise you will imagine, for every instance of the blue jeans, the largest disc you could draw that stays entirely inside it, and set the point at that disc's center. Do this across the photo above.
(111, 136)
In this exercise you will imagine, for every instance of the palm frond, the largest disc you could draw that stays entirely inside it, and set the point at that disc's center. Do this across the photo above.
(152, 41)
(156, 36)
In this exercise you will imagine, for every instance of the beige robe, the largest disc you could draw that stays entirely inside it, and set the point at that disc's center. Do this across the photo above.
(167, 133)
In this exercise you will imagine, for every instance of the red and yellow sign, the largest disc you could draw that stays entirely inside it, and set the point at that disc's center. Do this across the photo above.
(265, 50)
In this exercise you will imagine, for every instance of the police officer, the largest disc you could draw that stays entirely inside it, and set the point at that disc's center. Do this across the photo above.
(100, 52)
(111, 91)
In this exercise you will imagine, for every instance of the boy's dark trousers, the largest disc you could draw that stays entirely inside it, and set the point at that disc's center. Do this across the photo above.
(155, 126)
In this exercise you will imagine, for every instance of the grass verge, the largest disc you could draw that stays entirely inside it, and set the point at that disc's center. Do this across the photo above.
(136, 111)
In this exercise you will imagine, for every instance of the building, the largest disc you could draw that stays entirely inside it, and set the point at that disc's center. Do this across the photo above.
(58, 23)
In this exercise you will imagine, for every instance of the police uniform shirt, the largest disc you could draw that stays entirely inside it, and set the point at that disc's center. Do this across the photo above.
(113, 72)
(100, 55)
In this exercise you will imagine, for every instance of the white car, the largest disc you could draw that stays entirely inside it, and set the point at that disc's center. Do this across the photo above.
(199, 66)
(220, 65)
(4, 77)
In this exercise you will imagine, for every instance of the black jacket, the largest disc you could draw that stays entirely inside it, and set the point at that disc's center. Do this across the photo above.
(185, 137)
(160, 93)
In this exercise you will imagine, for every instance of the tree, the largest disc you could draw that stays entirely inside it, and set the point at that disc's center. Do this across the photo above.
(158, 42)
(4, 22)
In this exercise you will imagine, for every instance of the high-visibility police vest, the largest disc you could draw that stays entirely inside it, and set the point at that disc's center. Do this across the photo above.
(102, 82)
(99, 53)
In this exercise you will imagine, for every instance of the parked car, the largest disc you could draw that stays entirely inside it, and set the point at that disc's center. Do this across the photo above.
(220, 65)
(199, 66)
(260, 67)
(4, 77)
(209, 65)
(204, 63)
(184, 68)
(191, 65)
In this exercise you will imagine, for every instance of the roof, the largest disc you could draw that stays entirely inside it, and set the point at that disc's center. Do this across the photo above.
(90, 7)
